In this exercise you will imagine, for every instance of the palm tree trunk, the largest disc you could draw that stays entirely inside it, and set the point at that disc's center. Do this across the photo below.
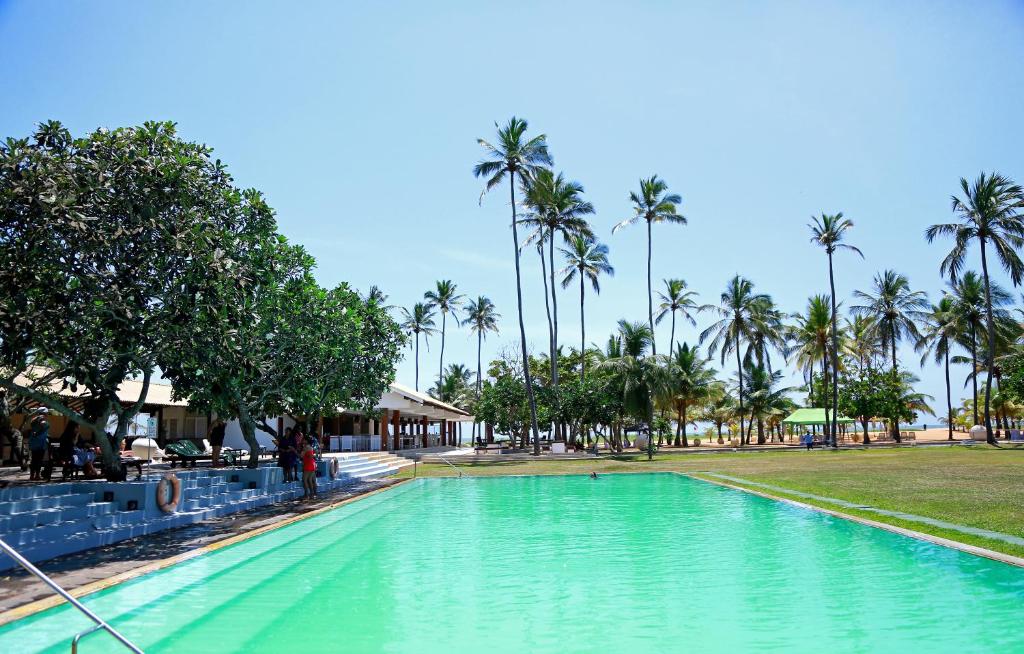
(827, 427)
(417, 361)
(672, 337)
(479, 347)
(974, 370)
(440, 367)
(835, 358)
(989, 437)
(522, 325)
(583, 335)
(554, 311)
(682, 419)
(739, 377)
(650, 298)
(547, 307)
(949, 400)
(895, 374)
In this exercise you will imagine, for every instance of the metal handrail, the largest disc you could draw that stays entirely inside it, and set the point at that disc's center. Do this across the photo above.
(450, 464)
(55, 587)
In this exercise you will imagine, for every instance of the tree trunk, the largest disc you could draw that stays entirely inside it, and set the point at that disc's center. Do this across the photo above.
(554, 311)
(864, 424)
(949, 400)
(974, 371)
(440, 366)
(583, 335)
(672, 335)
(739, 377)
(760, 431)
(479, 347)
(417, 360)
(991, 328)
(522, 326)
(835, 358)
(827, 427)
(650, 298)
(895, 373)
(682, 419)
(547, 304)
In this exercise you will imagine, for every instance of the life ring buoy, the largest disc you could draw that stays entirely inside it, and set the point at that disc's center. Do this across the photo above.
(168, 492)
(333, 468)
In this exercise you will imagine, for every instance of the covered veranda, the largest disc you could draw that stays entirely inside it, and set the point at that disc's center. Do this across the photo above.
(813, 418)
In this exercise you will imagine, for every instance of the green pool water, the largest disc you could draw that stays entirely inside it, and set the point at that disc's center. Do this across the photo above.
(623, 563)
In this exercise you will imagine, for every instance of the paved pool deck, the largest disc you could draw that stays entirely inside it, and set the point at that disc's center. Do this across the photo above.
(77, 571)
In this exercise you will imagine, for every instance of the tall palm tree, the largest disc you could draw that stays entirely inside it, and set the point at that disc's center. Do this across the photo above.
(677, 298)
(861, 343)
(481, 318)
(943, 328)
(810, 342)
(419, 321)
(556, 207)
(828, 232)
(991, 212)
(586, 259)
(445, 299)
(897, 310)
(515, 155)
(689, 382)
(765, 397)
(739, 309)
(968, 293)
(653, 204)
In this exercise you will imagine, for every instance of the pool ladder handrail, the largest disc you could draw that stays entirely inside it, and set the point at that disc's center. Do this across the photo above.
(100, 623)
(451, 465)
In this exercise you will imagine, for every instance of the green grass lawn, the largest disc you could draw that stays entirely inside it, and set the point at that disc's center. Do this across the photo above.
(978, 486)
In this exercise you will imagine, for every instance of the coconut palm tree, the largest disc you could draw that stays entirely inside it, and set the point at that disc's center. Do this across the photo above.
(481, 318)
(677, 298)
(738, 311)
(379, 298)
(445, 299)
(637, 375)
(897, 310)
(586, 259)
(810, 344)
(764, 396)
(689, 382)
(943, 328)
(454, 387)
(419, 321)
(653, 204)
(968, 293)
(991, 212)
(828, 232)
(861, 343)
(556, 207)
(515, 155)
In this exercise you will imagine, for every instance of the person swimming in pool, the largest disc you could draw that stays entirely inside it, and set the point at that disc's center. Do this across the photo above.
(593, 475)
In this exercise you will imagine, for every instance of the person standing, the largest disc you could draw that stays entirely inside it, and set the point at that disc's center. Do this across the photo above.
(308, 470)
(38, 443)
(216, 436)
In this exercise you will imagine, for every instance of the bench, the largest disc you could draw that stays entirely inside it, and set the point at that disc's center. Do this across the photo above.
(188, 453)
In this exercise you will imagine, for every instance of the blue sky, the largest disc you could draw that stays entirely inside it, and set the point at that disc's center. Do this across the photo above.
(359, 123)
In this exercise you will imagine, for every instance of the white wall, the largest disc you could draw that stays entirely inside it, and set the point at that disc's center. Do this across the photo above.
(233, 434)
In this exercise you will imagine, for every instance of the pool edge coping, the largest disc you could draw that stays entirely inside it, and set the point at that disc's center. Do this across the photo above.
(975, 550)
(37, 606)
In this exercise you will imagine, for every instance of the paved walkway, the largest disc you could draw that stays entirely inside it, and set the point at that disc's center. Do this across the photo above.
(974, 531)
(18, 587)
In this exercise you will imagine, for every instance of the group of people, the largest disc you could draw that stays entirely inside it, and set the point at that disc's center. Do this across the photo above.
(73, 449)
(294, 449)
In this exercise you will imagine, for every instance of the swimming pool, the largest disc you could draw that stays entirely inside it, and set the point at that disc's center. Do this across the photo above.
(623, 563)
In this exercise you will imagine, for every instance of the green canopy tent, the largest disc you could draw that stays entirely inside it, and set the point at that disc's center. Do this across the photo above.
(812, 417)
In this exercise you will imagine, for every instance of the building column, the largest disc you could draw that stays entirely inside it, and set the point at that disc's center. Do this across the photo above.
(384, 430)
(397, 424)
(424, 430)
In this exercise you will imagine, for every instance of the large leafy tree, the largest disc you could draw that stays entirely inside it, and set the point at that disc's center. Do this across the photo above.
(556, 207)
(419, 321)
(514, 155)
(828, 233)
(677, 298)
(991, 212)
(896, 309)
(653, 204)
(585, 259)
(106, 244)
(740, 319)
(874, 393)
(446, 299)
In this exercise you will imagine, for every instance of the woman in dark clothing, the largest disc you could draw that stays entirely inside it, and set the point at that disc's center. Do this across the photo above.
(286, 454)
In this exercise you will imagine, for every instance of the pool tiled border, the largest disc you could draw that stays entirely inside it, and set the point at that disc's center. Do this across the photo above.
(26, 610)
(910, 533)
